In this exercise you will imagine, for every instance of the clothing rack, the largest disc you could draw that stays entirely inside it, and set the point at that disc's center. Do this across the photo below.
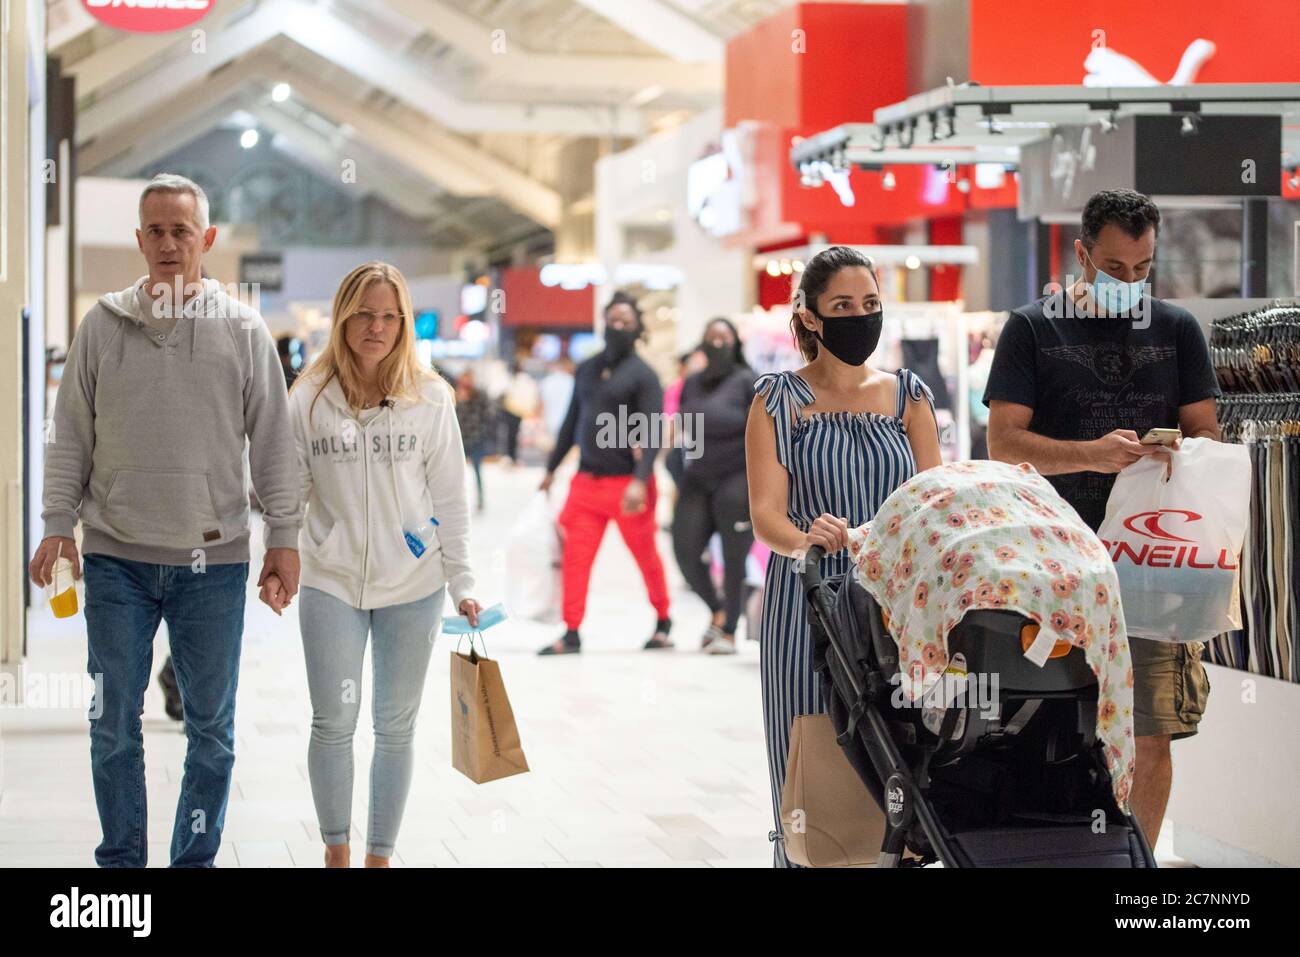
(1256, 356)
(1251, 701)
(1244, 416)
(1258, 351)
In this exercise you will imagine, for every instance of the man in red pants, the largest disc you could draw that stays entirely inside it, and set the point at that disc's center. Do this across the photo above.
(613, 418)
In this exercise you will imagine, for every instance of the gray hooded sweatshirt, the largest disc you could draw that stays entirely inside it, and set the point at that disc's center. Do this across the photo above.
(147, 443)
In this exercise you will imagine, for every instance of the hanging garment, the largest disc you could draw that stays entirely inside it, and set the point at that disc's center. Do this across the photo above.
(1257, 361)
(922, 357)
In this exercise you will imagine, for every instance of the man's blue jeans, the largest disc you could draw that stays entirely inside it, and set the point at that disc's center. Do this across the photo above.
(204, 612)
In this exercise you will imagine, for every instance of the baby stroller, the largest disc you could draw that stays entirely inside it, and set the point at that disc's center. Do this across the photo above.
(1020, 784)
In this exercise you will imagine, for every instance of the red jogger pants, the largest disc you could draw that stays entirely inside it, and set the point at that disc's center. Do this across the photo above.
(594, 501)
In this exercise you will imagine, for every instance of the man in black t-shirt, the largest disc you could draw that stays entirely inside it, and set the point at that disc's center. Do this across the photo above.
(1078, 377)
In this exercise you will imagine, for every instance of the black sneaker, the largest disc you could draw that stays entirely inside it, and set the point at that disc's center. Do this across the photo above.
(568, 644)
(660, 638)
(171, 691)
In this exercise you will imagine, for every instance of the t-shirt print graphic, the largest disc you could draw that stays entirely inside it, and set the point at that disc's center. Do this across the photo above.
(1112, 364)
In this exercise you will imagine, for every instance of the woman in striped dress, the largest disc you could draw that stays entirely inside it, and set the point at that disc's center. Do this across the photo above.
(825, 446)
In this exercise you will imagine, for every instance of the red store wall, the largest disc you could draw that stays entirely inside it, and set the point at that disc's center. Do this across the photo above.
(529, 303)
(1047, 41)
(814, 66)
(803, 70)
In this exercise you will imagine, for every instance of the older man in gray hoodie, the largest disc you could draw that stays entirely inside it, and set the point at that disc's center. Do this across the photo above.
(164, 382)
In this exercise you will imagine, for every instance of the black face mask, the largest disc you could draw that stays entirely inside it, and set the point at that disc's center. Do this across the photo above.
(619, 343)
(850, 338)
(722, 359)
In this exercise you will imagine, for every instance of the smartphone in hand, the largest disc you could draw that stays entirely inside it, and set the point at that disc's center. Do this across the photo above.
(1166, 437)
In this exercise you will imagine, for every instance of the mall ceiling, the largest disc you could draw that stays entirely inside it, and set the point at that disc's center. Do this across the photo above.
(463, 109)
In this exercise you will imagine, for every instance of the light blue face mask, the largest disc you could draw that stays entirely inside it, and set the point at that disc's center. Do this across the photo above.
(459, 624)
(1115, 296)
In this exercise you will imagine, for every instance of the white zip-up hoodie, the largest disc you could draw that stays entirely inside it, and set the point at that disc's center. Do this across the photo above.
(360, 498)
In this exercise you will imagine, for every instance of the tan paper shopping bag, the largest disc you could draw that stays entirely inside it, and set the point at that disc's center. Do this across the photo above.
(484, 738)
(827, 815)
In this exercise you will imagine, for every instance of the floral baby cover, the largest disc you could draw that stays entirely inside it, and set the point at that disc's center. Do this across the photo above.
(991, 535)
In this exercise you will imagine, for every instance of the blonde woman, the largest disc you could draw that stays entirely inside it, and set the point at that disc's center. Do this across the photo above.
(383, 475)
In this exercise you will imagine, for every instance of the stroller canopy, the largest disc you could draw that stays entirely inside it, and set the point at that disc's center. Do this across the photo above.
(986, 535)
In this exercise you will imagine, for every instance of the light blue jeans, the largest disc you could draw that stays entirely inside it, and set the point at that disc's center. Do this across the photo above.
(334, 642)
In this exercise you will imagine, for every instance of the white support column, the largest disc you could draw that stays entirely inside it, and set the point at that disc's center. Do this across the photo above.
(15, 293)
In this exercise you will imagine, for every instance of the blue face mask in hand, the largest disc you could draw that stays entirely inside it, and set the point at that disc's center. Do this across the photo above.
(459, 624)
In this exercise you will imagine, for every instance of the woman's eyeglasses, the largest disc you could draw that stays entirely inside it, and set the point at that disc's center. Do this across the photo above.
(365, 317)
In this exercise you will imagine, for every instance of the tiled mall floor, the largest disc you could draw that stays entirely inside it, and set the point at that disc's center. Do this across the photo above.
(638, 758)
(644, 759)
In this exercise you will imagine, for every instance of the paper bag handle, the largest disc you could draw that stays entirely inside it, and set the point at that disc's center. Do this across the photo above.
(473, 655)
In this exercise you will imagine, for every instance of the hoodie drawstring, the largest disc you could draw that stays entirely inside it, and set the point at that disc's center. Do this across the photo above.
(392, 467)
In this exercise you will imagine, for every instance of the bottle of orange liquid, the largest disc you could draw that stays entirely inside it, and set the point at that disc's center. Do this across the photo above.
(63, 589)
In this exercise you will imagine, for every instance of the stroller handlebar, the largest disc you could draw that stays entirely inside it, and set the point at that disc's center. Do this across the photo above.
(812, 575)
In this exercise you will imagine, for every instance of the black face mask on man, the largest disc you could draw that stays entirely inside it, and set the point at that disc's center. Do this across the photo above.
(619, 343)
(850, 338)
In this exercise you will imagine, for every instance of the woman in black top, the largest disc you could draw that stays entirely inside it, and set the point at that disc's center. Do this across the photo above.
(714, 494)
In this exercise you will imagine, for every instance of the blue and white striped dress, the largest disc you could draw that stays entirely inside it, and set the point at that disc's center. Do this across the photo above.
(842, 463)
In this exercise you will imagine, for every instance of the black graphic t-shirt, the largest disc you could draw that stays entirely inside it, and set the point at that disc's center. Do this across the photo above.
(1085, 377)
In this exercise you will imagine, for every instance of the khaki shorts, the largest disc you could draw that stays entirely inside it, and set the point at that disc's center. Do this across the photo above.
(1170, 687)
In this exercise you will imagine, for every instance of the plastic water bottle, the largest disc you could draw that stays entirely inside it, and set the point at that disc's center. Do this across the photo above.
(420, 537)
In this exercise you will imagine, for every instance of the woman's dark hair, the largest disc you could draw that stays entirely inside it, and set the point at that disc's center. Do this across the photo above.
(817, 275)
(1126, 208)
(738, 351)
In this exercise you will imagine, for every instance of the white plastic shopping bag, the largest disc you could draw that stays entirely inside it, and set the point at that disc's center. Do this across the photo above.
(1176, 543)
(533, 563)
